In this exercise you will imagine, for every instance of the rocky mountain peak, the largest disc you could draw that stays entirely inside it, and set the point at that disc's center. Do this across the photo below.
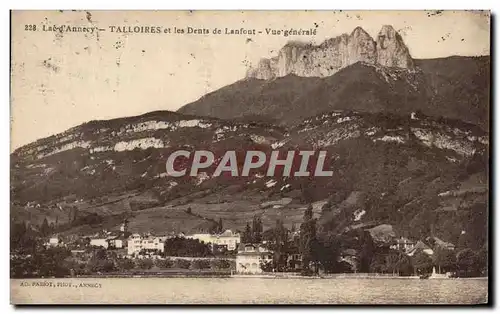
(303, 59)
(262, 71)
(361, 47)
(360, 32)
(391, 49)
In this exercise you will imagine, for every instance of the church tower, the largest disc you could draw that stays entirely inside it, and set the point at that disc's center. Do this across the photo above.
(124, 226)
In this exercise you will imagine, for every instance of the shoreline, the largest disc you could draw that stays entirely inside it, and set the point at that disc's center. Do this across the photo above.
(248, 276)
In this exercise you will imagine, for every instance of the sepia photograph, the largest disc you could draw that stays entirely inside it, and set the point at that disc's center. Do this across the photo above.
(250, 157)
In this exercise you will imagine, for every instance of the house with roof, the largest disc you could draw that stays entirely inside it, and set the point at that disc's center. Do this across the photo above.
(109, 240)
(54, 241)
(99, 242)
(420, 247)
(438, 243)
(250, 257)
(117, 241)
(137, 243)
(228, 239)
(403, 244)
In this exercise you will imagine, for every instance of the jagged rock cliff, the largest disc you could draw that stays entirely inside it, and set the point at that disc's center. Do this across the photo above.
(334, 54)
(391, 50)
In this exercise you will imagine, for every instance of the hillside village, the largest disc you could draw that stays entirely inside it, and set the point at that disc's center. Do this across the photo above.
(251, 252)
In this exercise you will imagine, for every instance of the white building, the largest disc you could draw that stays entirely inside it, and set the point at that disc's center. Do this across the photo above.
(228, 239)
(117, 242)
(403, 244)
(137, 243)
(102, 242)
(250, 257)
(53, 241)
(109, 239)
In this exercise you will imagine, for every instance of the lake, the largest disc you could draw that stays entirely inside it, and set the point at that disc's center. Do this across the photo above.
(249, 291)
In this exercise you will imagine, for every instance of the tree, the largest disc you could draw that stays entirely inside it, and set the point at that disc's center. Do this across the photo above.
(44, 228)
(467, 263)
(179, 246)
(366, 252)
(327, 251)
(220, 227)
(75, 215)
(422, 263)
(164, 263)
(182, 263)
(247, 234)
(378, 264)
(21, 237)
(125, 264)
(100, 254)
(403, 265)
(214, 228)
(256, 230)
(50, 262)
(279, 245)
(391, 262)
(200, 264)
(308, 241)
(266, 266)
(101, 265)
(482, 259)
(218, 264)
(145, 263)
(444, 259)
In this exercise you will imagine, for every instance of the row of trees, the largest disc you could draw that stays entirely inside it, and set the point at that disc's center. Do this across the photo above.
(464, 263)
(125, 264)
(323, 251)
(253, 234)
(58, 262)
(217, 227)
(179, 246)
(40, 263)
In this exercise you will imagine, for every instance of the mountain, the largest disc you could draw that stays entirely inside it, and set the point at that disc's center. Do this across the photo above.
(387, 169)
(353, 72)
(406, 140)
(453, 87)
(334, 54)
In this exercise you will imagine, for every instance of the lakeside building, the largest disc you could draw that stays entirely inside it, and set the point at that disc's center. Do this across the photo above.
(228, 239)
(420, 247)
(109, 240)
(403, 244)
(113, 241)
(250, 257)
(438, 243)
(136, 243)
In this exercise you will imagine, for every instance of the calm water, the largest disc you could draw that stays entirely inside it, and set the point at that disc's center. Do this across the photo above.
(252, 290)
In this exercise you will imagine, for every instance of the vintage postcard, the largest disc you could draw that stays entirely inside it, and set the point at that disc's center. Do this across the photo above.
(249, 157)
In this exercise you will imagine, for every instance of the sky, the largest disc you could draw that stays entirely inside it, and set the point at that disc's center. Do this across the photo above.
(60, 80)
